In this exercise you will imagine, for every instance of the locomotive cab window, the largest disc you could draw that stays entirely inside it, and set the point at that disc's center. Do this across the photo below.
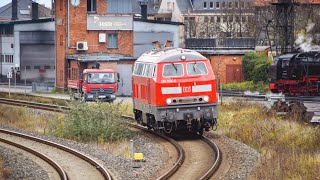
(285, 63)
(196, 68)
(172, 70)
(138, 69)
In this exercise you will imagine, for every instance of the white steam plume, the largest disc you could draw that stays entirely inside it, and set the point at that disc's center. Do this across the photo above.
(304, 40)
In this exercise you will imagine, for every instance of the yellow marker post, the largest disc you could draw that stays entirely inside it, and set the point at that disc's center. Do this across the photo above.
(138, 156)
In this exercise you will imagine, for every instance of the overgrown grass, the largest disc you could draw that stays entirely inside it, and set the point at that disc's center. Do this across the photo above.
(60, 102)
(289, 150)
(20, 118)
(247, 86)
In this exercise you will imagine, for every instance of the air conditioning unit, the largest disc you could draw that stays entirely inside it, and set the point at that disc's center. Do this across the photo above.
(82, 46)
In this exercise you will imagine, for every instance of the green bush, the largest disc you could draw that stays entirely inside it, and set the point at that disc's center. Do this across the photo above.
(247, 86)
(95, 122)
(255, 67)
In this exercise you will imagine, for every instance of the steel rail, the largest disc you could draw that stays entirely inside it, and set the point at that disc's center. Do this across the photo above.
(45, 158)
(35, 105)
(217, 161)
(181, 153)
(100, 168)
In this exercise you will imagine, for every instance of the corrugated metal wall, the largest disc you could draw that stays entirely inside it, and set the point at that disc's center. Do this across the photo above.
(119, 6)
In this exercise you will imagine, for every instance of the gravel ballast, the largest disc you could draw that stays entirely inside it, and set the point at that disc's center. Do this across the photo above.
(240, 159)
(21, 167)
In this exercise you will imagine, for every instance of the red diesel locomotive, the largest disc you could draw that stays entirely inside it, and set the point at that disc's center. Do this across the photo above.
(174, 89)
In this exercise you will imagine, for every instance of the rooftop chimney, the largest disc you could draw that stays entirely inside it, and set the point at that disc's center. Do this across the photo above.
(14, 6)
(156, 44)
(35, 11)
(144, 11)
(168, 43)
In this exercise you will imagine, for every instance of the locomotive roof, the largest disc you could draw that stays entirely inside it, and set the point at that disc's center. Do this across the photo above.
(170, 55)
(310, 55)
(98, 70)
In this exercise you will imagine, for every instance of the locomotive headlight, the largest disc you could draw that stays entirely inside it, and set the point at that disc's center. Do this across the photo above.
(169, 101)
(206, 98)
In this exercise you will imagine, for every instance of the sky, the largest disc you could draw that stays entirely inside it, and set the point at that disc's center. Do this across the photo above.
(46, 2)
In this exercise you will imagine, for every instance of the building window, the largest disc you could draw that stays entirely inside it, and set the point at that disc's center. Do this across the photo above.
(243, 18)
(204, 5)
(112, 40)
(230, 19)
(217, 5)
(223, 5)
(237, 19)
(36, 67)
(236, 5)
(248, 4)
(212, 19)
(6, 31)
(218, 19)
(242, 5)
(28, 67)
(8, 58)
(1, 58)
(46, 67)
(224, 19)
(91, 6)
(211, 5)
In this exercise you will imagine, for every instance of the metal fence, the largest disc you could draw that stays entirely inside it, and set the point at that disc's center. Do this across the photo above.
(42, 87)
(218, 43)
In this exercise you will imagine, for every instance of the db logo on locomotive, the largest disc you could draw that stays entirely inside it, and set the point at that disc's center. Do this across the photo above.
(187, 89)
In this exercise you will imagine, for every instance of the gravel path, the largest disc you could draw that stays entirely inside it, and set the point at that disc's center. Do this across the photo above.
(238, 159)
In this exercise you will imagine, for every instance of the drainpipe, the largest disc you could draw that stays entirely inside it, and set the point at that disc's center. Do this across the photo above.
(14, 6)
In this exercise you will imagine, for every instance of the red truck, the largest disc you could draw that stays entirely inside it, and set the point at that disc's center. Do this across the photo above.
(95, 84)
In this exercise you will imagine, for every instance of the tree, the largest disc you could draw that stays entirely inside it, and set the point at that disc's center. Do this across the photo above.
(255, 67)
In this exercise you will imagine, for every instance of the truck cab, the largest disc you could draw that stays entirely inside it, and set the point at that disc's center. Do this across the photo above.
(95, 84)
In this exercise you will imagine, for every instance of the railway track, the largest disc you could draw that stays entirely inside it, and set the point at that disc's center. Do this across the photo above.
(68, 163)
(35, 105)
(180, 166)
(181, 152)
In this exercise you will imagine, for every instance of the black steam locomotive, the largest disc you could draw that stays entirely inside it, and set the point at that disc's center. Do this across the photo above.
(296, 74)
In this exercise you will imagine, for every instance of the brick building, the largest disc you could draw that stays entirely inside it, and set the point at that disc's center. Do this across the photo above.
(86, 34)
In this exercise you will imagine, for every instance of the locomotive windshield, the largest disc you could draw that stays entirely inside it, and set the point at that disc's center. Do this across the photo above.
(196, 68)
(98, 78)
(172, 70)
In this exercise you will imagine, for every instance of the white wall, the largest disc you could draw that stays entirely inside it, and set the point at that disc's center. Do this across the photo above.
(7, 50)
(139, 26)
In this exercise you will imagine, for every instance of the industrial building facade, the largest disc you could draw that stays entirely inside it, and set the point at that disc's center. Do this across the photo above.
(86, 34)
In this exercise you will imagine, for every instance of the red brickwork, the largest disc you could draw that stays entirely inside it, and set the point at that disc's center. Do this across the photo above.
(78, 32)
(219, 65)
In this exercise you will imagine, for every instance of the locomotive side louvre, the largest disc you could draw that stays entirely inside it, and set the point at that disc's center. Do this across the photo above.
(174, 89)
(296, 74)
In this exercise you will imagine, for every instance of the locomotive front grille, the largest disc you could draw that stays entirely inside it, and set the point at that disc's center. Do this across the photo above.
(102, 91)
